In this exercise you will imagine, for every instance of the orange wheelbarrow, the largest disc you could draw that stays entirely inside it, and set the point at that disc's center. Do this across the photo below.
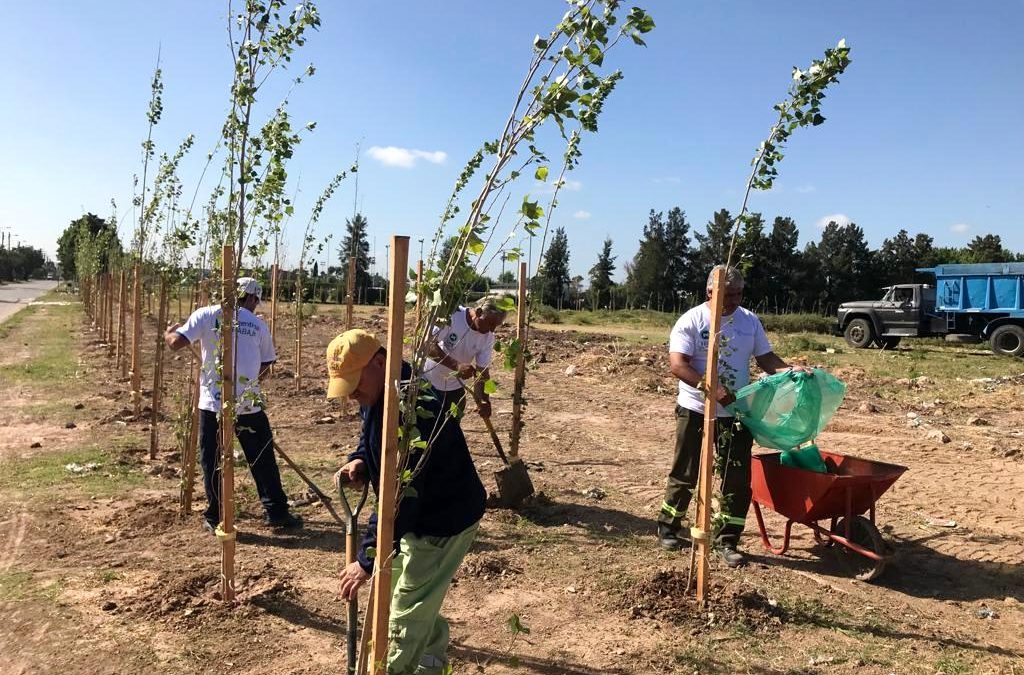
(849, 489)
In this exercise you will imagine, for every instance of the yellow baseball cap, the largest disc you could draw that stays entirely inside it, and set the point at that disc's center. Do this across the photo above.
(347, 355)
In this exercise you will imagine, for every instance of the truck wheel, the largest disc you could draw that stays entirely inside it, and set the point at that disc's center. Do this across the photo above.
(1008, 340)
(859, 334)
(888, 342)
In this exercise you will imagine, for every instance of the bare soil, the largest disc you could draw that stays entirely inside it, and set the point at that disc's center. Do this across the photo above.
(100, 574)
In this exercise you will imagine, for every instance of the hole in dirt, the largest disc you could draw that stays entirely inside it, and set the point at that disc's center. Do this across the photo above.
(488, 566)
(662, 596)
(184, 595)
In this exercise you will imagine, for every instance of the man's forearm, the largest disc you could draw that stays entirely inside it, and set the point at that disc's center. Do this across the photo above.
(688, 375)
(444, 359)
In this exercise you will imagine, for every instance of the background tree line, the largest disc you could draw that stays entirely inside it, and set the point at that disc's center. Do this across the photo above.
(670, 267)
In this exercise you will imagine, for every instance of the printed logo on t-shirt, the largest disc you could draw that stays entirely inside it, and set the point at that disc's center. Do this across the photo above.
(453, 339)
(704, 335)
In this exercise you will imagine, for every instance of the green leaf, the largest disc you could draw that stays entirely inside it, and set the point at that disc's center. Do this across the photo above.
(541, 173)
(490, 386)
(371, 552)
(506, 303)
(515, 625)
(453, 411)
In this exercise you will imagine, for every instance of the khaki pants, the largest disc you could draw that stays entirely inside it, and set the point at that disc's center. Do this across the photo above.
(682, 479)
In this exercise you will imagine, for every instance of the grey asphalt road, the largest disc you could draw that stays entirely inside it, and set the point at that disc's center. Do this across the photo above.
(14, 296)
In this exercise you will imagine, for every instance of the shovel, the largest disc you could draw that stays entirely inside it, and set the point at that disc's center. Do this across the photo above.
(351, 544)
(514, 484)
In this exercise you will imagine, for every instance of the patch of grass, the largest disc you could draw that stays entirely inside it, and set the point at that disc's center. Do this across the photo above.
(952, 664)
(16, 320)
(50, 331)
(15, 585)
(19, 585)
(107, 576)
(39, 474)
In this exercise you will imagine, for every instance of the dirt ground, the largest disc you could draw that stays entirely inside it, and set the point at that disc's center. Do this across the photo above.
(98, 574)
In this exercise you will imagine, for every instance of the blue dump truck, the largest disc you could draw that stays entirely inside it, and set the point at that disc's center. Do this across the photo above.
(968, 303)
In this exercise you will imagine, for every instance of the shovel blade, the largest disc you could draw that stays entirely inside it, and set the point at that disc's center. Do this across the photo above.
(514, 484)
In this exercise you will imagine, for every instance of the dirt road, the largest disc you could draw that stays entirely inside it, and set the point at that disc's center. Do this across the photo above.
(14, 296)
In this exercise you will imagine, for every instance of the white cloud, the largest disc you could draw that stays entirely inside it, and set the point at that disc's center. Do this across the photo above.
(567, 186)
(405, 158)
(959, 228)
(806, 189)
(840, 219)
(581, 215)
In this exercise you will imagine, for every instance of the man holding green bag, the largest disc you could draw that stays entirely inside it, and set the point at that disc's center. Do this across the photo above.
(742, 338)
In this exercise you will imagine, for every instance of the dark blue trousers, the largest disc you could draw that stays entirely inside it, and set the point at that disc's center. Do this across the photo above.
(257, 440)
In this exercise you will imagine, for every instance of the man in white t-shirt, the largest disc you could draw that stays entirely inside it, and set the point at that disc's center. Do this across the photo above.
(254, 351)
(462, 350)
(742, 338)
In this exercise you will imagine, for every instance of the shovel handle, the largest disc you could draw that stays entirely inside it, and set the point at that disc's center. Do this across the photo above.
(490, 428)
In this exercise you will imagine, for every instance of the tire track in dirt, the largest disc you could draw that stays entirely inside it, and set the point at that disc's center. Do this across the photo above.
(15, 540)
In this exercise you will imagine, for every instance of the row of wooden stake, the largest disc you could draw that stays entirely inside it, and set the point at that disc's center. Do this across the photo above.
(100, 306)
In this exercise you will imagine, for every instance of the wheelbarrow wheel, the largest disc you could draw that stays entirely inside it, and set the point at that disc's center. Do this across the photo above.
(866, 535)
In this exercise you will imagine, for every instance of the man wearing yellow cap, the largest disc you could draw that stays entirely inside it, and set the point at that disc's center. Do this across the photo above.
(436, 520)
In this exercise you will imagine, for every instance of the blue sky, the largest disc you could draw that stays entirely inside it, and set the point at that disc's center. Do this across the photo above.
(924, 132)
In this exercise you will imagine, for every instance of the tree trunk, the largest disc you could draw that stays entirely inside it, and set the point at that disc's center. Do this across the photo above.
(136, 367)
(158, 372)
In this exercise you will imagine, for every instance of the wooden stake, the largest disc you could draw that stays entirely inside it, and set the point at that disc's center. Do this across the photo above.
(520, 374)
(188, 454)
(136, 367)
(388, 493)
(101, 296)
(298, 331)
(158, 371)
(227, 425)
(122, 300)
(349, 296)
(110, 314)
(702, 532)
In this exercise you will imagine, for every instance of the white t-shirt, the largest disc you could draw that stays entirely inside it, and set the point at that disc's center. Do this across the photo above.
(253, 347)
(742, 338)
(463, 344)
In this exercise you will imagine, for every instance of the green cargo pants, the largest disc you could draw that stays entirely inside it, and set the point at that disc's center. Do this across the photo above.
(421, 574)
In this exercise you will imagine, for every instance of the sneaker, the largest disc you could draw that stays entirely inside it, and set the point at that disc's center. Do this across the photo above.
(731, 557)
(209, 527)
(286, 522)
(669, 539)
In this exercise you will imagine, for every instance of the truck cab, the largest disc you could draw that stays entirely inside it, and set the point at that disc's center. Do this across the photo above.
(905, 310)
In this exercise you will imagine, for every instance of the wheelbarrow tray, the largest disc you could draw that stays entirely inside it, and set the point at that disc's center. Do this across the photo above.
(851, 486)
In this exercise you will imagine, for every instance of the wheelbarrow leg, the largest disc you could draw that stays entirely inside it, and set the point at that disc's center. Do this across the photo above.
(764, 533)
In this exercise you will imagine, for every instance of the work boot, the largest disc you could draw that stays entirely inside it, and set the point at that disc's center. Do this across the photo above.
(286, 522)
(731, 557)
(669, 539)
(209, 527)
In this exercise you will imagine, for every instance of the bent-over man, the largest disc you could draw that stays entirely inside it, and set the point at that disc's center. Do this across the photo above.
(462, 350)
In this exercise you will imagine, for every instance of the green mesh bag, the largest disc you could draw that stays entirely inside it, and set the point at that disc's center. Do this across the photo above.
(788, 409)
